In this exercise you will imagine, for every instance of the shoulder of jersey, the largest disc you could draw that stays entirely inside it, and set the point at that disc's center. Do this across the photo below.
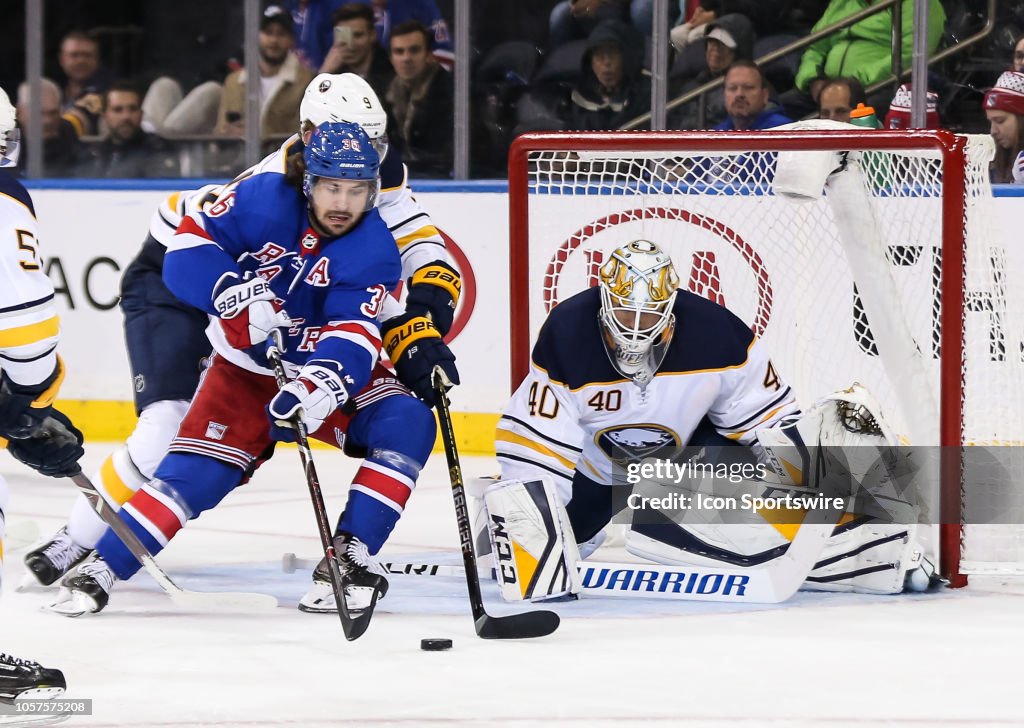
(368, 250)
(569, 346)
(707, 337)
(12, 189)
(392, 171)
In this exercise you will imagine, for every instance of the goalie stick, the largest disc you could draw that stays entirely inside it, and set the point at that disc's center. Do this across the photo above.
(353, 627)
(231, 601)
(513, 626)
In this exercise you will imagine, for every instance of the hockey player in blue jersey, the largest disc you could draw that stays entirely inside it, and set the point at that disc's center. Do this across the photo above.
(306, 253)
(164, 378)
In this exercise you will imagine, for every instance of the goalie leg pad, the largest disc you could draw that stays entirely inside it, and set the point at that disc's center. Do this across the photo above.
(873, 558)
(534, 549)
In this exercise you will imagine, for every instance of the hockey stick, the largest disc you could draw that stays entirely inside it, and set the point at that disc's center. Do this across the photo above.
(514, 626)
(180, 597)
(353, 627)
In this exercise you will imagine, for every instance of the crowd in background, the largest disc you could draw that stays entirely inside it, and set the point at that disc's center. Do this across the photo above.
(562, 64)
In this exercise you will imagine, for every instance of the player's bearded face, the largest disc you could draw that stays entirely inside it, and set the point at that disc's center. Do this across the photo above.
(338, 204)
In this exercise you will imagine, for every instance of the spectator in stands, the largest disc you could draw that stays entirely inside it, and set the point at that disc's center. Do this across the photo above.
(62, 150)
(314, 26)
(282, 81)
(420, 98)
(767, 17)
(79, 59)
(576, 19)
(728, 39)
(128, 151)
(613, 88)
(863, 50)
(356, 49)
(1018, 54)
(898, 116)
(747, 100)
(838, 97)
(1004, 107)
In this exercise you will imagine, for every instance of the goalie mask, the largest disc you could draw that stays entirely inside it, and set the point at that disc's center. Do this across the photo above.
(638, 288)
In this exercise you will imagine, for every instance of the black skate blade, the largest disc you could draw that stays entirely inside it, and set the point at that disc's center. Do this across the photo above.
(517, 626)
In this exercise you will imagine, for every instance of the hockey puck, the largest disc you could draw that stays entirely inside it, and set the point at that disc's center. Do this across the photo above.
(435, 645)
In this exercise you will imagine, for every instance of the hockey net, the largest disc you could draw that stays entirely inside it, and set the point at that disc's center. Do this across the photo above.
(891, 274)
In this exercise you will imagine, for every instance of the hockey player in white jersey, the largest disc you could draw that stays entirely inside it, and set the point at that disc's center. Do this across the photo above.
(636, 368)
(30, 375)
(165, 378)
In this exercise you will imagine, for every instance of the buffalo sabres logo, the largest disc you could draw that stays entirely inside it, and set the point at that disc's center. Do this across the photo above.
(324, 85)
(624, 443)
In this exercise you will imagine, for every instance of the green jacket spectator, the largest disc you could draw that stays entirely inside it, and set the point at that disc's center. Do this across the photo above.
(864, 50)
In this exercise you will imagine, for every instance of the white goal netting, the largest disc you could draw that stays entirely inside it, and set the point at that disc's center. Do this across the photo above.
(843, 281)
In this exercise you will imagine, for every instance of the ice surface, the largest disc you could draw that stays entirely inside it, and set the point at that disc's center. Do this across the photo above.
(950, 659)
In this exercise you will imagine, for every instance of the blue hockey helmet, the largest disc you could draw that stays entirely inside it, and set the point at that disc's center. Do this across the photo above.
(341, 150)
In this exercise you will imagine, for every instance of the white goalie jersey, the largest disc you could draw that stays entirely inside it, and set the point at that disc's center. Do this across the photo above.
(29, 327)
(575, 412)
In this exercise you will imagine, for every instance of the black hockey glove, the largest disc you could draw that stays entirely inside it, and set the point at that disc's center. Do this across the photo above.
(23, 408)
(434, 292)
(415, 348)
(54, 450)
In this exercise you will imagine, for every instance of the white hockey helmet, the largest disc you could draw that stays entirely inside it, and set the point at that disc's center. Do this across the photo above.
(638, 289)
(10, 136)
(345, 97)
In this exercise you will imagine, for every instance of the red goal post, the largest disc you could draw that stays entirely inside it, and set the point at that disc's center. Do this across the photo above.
(567, 189)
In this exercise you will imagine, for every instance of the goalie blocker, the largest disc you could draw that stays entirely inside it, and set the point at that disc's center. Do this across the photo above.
(535, 555)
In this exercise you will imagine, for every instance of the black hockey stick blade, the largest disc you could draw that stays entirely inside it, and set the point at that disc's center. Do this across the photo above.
(517, 626)
(352, 626)
(511, 627)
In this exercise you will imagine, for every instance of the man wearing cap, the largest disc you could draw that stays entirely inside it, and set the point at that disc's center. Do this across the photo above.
(898, 116)
(1004, 107)
(728, 39)
(282, 81)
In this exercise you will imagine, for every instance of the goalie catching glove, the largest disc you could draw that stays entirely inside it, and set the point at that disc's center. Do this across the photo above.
(416, 348)
(434, 293)
(247, 311)
(321, 387)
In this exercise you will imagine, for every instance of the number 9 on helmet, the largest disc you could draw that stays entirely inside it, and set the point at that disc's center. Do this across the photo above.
(344, 97)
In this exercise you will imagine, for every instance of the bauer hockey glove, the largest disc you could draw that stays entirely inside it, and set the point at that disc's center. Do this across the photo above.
(54, 450)
(415, 347)
(434, 292)
(320, 388)
(247, 311)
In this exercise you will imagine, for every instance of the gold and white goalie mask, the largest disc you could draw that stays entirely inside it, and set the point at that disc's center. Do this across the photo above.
(638, 288)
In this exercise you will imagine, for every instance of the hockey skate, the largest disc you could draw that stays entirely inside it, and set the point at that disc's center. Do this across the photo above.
(86, 589)
(28, 680)
(55, 558)
(362, 579)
